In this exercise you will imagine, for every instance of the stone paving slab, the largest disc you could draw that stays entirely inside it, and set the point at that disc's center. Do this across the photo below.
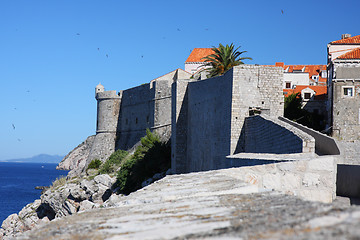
(206, 205)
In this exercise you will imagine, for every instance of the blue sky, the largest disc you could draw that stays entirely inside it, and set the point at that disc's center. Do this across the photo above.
(54, 53)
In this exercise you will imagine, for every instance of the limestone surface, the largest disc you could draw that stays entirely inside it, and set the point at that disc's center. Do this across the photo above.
(205, 205)
(76, 159)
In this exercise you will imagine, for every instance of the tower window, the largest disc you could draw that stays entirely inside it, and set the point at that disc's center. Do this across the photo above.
(348, 91)
(136, 120)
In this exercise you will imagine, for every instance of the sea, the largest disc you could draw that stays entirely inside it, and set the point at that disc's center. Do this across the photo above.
(18, 182)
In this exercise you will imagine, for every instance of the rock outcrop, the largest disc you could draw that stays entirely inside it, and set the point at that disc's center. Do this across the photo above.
(59, 201)
(25, 220)
(205, 205)
(75, 161)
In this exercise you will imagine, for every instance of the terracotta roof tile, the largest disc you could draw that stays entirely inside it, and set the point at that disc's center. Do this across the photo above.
(320, 91)
(198, 53)
(311, 69)
(350, 40)
(354, 54)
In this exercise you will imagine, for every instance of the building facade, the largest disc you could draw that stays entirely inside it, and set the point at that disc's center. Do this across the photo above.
(344, 87)
(312, 75)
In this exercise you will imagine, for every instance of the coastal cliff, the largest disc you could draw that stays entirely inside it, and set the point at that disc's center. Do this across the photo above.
(76, 159)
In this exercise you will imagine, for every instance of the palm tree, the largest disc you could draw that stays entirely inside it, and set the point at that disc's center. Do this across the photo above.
(223, 59)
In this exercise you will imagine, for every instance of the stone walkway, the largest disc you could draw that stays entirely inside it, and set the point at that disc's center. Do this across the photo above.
(206, 205)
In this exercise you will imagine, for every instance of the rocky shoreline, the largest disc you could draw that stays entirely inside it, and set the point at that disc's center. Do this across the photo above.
(79, 191)
(73, 196)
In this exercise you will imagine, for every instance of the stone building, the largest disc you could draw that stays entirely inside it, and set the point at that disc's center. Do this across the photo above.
(313, 75)
(344, 87)
(314, 98)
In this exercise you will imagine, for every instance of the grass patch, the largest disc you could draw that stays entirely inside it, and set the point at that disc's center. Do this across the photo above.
(59, 182)
(151, 157)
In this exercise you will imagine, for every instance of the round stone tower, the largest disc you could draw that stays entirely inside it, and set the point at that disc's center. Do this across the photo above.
(108, 108)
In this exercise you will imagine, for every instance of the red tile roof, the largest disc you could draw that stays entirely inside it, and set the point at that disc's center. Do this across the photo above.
(311, 69)
(354, 54)
(350, 40)
(320, 91)
(198, 53)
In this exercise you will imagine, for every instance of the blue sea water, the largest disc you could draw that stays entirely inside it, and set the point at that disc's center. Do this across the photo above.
(18, 182)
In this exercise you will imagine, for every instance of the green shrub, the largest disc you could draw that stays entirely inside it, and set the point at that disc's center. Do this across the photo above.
(94, 164)
(113, 162)
(151, 157)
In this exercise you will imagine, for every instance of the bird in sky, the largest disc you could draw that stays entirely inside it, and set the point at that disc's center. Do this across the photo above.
(282, 11)
(107, 55)
(78, 34)
(13, 126)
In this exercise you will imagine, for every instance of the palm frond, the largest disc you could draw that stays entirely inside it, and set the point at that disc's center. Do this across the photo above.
(223, 59)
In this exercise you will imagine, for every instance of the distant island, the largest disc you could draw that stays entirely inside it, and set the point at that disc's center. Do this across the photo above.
(41, 158)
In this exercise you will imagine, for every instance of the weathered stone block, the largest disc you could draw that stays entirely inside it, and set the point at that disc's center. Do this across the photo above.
(271, 181)
(311, 179)
(320, 195)
(322, 164)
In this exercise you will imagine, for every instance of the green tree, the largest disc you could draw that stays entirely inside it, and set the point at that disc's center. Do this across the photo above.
(293, 110)
(223, 59)
(292, 107)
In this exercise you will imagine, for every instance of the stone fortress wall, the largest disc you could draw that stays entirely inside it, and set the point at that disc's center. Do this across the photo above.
(123, 117)
(211, 127)
(208, 115)
(142, 107)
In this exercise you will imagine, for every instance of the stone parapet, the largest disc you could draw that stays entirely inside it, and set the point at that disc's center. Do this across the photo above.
(265, 134)
(307, 176)
(107, 95)
(208, 205)
(324, 145)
